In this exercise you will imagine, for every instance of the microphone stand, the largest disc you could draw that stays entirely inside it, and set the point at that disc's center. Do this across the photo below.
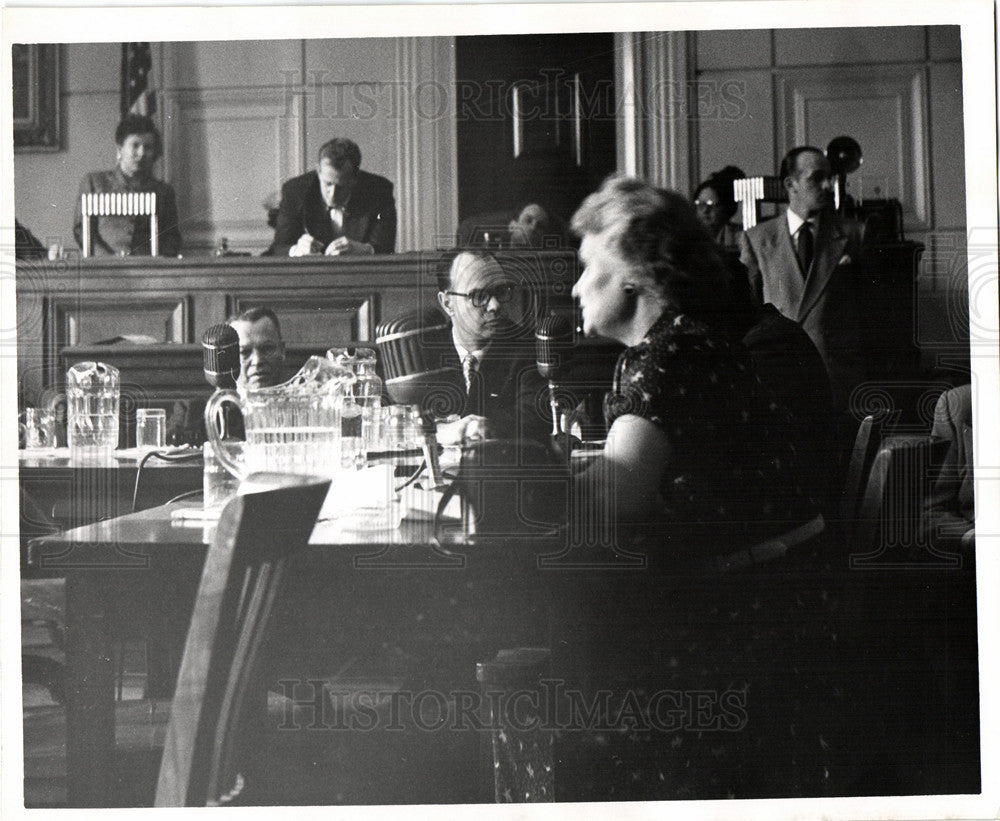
(554, 406)
(429, 445)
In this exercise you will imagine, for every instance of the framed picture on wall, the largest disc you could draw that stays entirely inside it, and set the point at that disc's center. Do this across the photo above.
(35, 80)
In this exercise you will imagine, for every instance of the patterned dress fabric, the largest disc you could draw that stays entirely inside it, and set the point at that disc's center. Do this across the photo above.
(733, 464)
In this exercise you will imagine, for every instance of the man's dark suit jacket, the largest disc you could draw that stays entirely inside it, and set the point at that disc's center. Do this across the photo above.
(507, 388)
(950, 510)
(825, 302)
(370, 214)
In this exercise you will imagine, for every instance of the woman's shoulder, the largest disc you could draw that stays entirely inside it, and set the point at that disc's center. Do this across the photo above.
(680, 357)
(678, 335)
(98, 181)
(163, 188)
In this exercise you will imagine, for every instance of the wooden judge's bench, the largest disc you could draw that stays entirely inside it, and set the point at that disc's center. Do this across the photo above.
(94, 309)
(79, 309)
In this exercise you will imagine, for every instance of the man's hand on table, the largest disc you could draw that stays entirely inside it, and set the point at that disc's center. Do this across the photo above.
(305, 246)
(469, 428)
(342, 246)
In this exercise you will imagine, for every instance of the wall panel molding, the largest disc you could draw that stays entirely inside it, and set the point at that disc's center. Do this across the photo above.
(341, 317)
(221, 193)
(886, 112)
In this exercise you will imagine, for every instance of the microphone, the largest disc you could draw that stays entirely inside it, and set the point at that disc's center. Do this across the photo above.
(220, 347)
(221, 356)
(407, 348)
(553, 351)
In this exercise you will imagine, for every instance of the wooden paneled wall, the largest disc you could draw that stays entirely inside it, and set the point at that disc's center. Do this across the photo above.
(321, 302)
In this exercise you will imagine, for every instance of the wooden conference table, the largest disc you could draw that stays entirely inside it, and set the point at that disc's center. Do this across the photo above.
(135, 577)
(453, 600)
(59, 491)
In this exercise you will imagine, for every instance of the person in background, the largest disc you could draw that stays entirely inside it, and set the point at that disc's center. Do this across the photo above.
(262, 365)
(949, 515)
(805, 263)
(493, 350)
(262, 350)
(336, 210)
(530, 226)
(716, 206)
(26, 244)
(139, 147)
(694, 436)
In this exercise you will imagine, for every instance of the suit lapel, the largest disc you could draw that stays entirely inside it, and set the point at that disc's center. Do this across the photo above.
(783, 287)
(830, 243)
(356, 223)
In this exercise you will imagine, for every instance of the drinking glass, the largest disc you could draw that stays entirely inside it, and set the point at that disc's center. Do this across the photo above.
(38, 429)
(93, 392)
(150, 428)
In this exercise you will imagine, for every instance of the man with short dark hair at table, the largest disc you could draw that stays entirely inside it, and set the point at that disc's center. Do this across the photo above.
(139, 147)
(495, 351)
(336, 210)
(805, 262)
(262, 365)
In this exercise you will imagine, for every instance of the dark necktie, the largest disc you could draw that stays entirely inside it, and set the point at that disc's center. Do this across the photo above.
(804, 248)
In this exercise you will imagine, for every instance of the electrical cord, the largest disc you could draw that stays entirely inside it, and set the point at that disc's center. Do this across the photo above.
(183, 456)
(185, 495)
(413, 477)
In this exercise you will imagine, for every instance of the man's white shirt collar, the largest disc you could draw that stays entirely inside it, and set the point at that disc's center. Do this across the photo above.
(795, 222)
(464, 352)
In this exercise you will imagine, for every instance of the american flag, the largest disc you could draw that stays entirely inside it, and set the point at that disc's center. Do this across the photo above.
(136, 95)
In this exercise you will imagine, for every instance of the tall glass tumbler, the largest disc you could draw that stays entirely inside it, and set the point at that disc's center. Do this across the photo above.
(93, 394)
(365, 395)
(150, 428)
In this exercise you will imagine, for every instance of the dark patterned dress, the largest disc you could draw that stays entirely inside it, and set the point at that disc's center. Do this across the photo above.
(747, 660)
(733, 469)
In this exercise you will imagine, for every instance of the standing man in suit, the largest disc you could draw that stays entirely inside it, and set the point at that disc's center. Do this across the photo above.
(804, 263)
(505, 395)
(337, 209)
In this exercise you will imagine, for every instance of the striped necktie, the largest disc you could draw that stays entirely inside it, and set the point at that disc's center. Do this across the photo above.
(469, 367)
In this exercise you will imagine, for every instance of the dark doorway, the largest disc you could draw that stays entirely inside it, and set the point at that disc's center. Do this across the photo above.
(536, 120)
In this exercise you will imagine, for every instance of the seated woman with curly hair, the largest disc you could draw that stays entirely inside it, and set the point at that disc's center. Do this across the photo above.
(702, 479)
(694, 437)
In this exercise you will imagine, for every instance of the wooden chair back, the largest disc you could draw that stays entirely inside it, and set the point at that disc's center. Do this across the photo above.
(256, 536)
(866, 445)
(888, 518)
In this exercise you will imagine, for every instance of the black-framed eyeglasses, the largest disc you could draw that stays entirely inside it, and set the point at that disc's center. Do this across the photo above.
(480, 297)
(705, 203)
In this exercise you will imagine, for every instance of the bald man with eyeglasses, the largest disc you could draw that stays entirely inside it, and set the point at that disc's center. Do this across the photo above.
(492, 331)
